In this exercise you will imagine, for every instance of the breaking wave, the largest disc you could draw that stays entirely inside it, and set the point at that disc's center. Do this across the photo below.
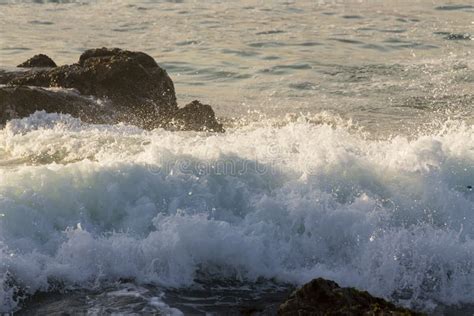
(82, 205)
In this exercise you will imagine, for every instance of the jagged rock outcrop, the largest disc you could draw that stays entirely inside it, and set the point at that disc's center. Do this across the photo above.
(323, 297)
(136, 89)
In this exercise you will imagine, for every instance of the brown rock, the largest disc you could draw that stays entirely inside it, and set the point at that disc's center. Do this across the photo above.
(140, 91)
(196, 116)
(39, 60)
(130, 79)
(22, 101)
(323, 297)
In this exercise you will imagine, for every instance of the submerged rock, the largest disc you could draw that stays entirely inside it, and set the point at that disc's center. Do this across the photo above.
(39, 60)
(140, 92)
(324, 297)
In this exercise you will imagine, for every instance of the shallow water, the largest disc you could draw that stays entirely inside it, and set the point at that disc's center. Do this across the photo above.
(349, 155)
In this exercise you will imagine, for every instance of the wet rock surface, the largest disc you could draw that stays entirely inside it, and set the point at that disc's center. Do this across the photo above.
(21, 101)
(39, 60)
(324, 297)
(140, 91)
(196, 116)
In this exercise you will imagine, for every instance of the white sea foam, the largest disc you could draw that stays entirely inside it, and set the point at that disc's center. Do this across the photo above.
(85, 204)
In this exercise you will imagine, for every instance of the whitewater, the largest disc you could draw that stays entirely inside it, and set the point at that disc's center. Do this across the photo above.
(86, 205)
(348, 154)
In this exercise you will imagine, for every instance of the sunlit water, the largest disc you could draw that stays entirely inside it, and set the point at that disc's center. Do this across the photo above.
(349, 155)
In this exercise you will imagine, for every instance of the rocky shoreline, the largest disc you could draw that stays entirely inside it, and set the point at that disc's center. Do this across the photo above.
(106, 86)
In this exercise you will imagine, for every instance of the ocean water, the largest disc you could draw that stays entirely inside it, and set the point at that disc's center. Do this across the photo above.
(348, 155)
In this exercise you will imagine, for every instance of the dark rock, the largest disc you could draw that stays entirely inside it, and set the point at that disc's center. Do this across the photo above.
(324, 297)
(196, 116)
(22, 101)
(127, 78)
(141, 92)
(39, 60)
(6, 75)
